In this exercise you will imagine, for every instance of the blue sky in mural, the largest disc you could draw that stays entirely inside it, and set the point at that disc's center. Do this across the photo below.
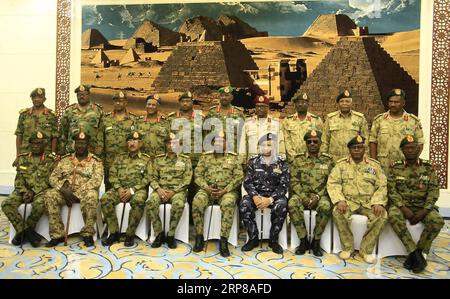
(290, 18)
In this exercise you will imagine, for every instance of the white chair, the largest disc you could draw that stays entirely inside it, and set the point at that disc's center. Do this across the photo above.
(326, 239)
(216, 225)
(358, 227)
(391, 245)
(182, 230)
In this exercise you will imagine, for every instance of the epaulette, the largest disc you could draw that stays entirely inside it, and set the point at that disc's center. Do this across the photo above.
(163, 116)
(145, 155)
(396, 163)
(238, 108)
(51, 156)
(108, 113)
(232, 153)
(160, 155)
(23, 110)
(23, 154)
(132, 114)
(326, 155)
(184, 156)
(378, 116)
(99, 106)
(96, 158)
(426, 162)
(333, 114)
(290, 116)
(358, 113)
(342, 160)
(413, 116)
(66, 155)
(313, 115)
(212, 107)
(51, 111)
(373, 160)
(171, 114)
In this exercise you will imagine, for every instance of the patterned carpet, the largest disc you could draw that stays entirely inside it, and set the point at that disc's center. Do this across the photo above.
(142, 261)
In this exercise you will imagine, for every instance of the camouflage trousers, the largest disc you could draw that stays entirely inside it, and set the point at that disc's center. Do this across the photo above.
(432, 223)
(178, 201)
(88, 203)
(227, 203)
(12, 203)
(296, 208)
(374, 227)
(111, 199)
(247, 210)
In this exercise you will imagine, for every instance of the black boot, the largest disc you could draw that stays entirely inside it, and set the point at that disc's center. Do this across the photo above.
(223, 247)
(421, 263)
(171, 242)
(17, 240)
(113, 238)
(158, 240)
(88, 241)
(129, 241)
(54, 242)
(303, 247)
(33, 237)
(275, 246)
(199, 243)
(315, 246)
(252, 243)
(410, 261)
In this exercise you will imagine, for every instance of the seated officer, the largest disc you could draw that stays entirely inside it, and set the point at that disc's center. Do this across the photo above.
(128, 177)
(309, 174)
(266, 183)
(76, 178)
(31, 182)
(413, 192)
(357, 185)
(170, 176)
(219, 175)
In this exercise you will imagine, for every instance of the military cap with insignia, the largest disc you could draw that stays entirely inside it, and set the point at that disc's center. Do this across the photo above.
(119, 95)
(83, 87)
(226, 89)
(36, 135)
(344, 94)
(407, 140)
(262, 99)
(38, 92)
(185, 95)
(267, 137)
(299, 97)
(154, 97)
(396, 92)
(356, 140)
(134, 135)
(312, 133)
(80, 135)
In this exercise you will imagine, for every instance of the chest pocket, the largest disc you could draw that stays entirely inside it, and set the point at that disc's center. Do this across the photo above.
(369, 178)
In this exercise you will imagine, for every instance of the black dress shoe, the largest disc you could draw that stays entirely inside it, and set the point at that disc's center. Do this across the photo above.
(54, 242)
(421, 263)
(33, 237)
(158, 240)
(410, 261)
(315, 247)
(171, 242)
(129, 241)
(199, 243)
(113, 238)
(17, 240)
(88, 241)
(303, 247)
(252, 243)
(276, 247)
(223, 247)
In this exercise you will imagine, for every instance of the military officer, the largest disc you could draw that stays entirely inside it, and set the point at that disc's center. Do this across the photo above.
(266, 183)
(129, 180)
(76, 178)
(155, 127)
(341, 126)
(36, 118)
(357, 185)
(31, 182)
(219, 176)
(85, 115)
(309, 174)
(389, 128)
(115, 127)
(170, 176)
(413, 191)
(297, 125)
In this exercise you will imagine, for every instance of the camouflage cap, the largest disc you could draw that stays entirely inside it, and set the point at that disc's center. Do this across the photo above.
(396, 92)
(312, 133)
(407, 140)
(38, 92)
(37, 135)
(356, 140)
(78, 134)
(298, 97)
(83, 87)
(185, 95)
(226, 89)
(119, 95)
(344, 94)
(134, 135)
(262, 99)
(267, 137)
(154, 97)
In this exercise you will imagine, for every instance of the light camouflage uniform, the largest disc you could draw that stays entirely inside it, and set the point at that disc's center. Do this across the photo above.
(154, 134)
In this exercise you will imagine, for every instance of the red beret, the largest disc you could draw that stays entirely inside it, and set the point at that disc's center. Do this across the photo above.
(262, 100)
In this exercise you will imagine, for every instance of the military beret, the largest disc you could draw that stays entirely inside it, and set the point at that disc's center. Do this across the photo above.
(153, 97)
(83, 87)
(298, 97)
(407, 140)
(344, 94)
(356, 140)
(396, 92)
(134, 135)
(80, 135)
(312, 133)
(119, 95)
(226, 89)
(36, 135)
(267, 137)
(261, 100)
(184, 95)
(40, 92)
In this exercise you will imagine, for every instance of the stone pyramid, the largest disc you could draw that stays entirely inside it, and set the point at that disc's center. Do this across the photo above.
(100, 58)
(362, 66)
(130, 56)
(331, 25)
(92, 38)
(153, 33)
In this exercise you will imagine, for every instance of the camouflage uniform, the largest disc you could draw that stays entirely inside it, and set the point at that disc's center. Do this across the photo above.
(89, 121)
(294, 130)
(85, 178)
(154, 134)
(265, 180)
(32, 175)
(309, 177)
(28, 123)
(127, 172)
(173, 174)
(361, 185)
(339, 129)
(225, 171)
(388, 132)
(415, 187)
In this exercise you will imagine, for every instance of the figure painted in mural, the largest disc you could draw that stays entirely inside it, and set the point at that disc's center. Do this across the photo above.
(389, 128)
(129, 182)
(413, 190)
(357, 185)
(115, 127)
(83, 115)
(33, 171)
(296, 125)
(76, 179)
(36, 118)
(170, 176)
(341, 126)
(266, 183)
(309, 174)
(219, 176)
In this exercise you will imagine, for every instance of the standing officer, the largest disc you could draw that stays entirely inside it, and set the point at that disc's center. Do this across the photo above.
(116, 126)
(170, 176)
(341, 126)
(297, 125)
(37, 118)
(76, 178)
(357, 185)
(129, 181)
(31, 182)
(219, 176)
(83, 115)
(413, 192)
(266, 183)
(389, 128)
(309, 174)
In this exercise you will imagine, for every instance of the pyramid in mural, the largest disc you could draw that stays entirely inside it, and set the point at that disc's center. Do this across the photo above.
(210, 63)
(130, 56)
(100, 58)
(195, 27)
(152, 33)
(93, 39)
(362, 66)
(332, 25)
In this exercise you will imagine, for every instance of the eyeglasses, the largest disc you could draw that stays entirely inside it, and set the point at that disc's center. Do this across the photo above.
(312, 141)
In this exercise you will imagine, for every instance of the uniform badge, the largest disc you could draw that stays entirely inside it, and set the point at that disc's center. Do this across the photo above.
(261, 99)
(371, 170)
(121, 95)
(108, 128)
(23, 167)
(346, 93)
(305, 96)
(410, 138)
(189, 94)
(39, 135)
(39, 91)
(359, 139)
(135, 135)
(82, 88)
(226, 90)
(397, 91)
(82, 136)
(172, 136)
(313, 133)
